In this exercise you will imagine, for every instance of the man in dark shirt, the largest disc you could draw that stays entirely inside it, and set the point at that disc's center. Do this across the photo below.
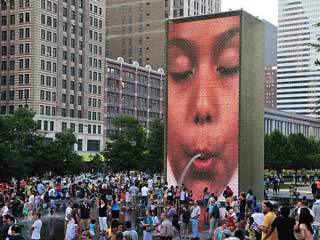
(85, 215)
(4, 228)
(284, 225)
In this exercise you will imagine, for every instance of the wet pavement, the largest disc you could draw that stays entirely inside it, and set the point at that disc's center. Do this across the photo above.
(53, 226)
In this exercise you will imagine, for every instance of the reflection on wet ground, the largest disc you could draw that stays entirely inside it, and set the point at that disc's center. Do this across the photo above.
(53, 226)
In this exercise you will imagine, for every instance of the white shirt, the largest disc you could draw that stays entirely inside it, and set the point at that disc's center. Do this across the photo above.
(258, 218)
(195, 211)
(144, 191)
(36, 229)
(150, 183)
(68, 211)
(182, 195)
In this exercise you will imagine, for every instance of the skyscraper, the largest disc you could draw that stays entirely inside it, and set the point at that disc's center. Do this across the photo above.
(52, 61)
(298, 84)
(135, 30)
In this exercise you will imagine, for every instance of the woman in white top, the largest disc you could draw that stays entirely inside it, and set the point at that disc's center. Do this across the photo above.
(71, 228)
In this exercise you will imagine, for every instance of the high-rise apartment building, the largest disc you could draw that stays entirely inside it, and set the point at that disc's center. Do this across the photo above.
(298, 78)
(132, 90)
(52, 61)
(135, 30)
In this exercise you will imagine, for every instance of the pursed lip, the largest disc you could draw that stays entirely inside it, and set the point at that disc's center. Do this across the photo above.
(205, 154)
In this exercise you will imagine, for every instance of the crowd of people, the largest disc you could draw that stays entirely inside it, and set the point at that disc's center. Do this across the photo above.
(95, 208)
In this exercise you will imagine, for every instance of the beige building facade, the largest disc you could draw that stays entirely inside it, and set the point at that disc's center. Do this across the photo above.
(52, 61)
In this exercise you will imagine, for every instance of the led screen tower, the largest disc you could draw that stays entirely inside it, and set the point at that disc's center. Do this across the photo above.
(215, 102)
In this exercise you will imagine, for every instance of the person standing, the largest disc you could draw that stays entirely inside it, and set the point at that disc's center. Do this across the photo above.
(284, 225)
(16, 233)
(133, 190)
(166, 228)
(36, 226)
(147, 226)
(71, 228)
(304, 228)
(103, 216)
(195, 214)
(316, 210)
(144, 194)
(129, 233)
(269, 217)
(85, 215)
(185, 217)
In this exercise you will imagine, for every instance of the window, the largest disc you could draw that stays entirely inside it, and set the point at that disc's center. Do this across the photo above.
(64, 127)
(79, 144)
(93, 145)
(21, 17)
(80, 128)
(4, 35)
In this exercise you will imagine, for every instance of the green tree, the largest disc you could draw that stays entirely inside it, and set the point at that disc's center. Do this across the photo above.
(155, 148)
(299, 151)
(62, 158)
(19, 139)
(276, 151)
(124, 151)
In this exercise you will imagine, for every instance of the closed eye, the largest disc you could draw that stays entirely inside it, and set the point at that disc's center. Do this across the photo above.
(227, 70)
(181, 76)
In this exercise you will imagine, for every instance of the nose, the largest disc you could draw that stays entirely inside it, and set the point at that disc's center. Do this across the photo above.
(205, 106)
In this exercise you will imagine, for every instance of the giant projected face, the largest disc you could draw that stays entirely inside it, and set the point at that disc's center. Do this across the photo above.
(203, 104)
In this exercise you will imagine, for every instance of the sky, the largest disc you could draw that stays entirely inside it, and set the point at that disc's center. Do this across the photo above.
(264, 9)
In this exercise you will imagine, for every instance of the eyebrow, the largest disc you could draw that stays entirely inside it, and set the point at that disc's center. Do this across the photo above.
(223, 39)
(184, 44)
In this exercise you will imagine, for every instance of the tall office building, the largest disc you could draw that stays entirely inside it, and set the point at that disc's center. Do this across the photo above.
(52, 61)
(270, 43)
(298, 85)
(135, 30)
(270, 89)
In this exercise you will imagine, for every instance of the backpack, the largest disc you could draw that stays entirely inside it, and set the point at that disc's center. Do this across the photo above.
(216, 212)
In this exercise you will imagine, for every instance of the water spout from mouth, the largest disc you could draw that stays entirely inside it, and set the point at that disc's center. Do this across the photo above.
(187, 168)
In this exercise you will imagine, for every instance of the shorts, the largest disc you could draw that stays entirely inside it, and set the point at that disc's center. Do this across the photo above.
(103, 224)
(115, 213)
(184, 226)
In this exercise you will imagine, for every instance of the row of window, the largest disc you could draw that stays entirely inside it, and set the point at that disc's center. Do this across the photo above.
(48, 66)
(96, 116)
(23, 48)
(22, 3)
(51, 21)
(96, 36)
(23, 34)
(48, 36)
(94, 89)
(49, 6)
(10, 95)
(48, 81)
(71, 99)
(47, 110)
(23, 18)
(48, 96)
(96, 63)
(95, 76)
(95, 9)
(95, 49)
(72, 43)
(10, 65)
(94, 102)
(72, 71)
(23, 79)
(95, 22)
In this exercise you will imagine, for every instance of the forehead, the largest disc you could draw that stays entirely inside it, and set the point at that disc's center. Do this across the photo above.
(200, 29)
